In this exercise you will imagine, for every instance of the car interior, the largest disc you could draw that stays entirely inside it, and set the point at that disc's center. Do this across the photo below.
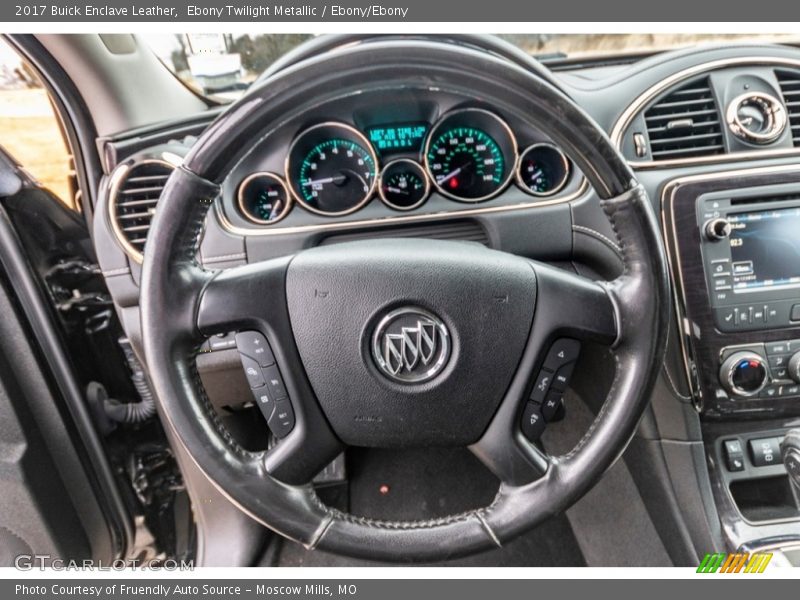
(406, 300)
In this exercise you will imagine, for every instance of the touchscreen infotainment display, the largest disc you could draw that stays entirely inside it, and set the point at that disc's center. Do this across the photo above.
(765, 249)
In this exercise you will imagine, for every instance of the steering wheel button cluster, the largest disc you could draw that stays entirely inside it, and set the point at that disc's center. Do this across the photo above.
(546, 400)
(265, 380)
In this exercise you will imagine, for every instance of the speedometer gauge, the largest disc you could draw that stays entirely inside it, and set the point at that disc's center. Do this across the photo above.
(470, 155)
(331, 169)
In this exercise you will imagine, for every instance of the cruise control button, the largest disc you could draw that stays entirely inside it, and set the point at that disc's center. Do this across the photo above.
(562, 377)
(533, 423)
(562, 351)
(255, 345)
(252, 371)
(541, 386)
(282, 420)
(552, 404)
(275, 384)
(765, 451)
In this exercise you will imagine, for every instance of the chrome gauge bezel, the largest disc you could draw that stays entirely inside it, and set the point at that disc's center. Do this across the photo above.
(512, 160)
(422, 172)
(553, 191)
(246, 212)
(362, 140)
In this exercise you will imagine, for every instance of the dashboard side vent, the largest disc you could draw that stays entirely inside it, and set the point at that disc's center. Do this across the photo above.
(790, 89)
(133, 198)
(685, 123)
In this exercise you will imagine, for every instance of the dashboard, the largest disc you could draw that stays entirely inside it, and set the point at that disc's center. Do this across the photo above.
(713, 135)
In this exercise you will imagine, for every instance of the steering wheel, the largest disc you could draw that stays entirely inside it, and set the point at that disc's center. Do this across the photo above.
(322, 308)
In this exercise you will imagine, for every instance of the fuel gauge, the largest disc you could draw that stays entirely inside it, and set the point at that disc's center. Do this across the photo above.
(264, 199)
(403, 184)
(543, 170)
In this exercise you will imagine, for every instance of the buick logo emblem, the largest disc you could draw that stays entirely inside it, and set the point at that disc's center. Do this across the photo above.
(411, 345)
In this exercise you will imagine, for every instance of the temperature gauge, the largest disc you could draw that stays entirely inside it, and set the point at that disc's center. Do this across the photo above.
(264, 199)
(543, 170)
(403, 184)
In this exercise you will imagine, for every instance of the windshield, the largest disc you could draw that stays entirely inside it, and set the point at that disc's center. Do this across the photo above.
(224, 65)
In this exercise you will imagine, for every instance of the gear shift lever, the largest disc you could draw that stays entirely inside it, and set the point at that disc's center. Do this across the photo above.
(790, 450)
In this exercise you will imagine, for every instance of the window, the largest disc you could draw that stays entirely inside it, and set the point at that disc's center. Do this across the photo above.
(30, 130)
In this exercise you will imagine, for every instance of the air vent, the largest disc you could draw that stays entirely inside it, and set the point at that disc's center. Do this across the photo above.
(790, 88)
(685, 123)
(134, 195)
(464, 231)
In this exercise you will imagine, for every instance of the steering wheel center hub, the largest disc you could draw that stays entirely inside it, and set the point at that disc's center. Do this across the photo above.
(410, 341)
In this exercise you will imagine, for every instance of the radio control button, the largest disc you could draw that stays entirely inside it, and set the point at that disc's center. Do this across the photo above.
(717, 229)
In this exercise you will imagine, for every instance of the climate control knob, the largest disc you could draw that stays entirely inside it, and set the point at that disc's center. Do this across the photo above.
(743, 373)
(717, 229)
(793, 367)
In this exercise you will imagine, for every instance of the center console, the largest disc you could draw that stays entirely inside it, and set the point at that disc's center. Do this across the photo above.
(733, 241)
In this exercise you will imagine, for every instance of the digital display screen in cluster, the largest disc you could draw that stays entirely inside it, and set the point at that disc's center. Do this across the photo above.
(403, 137)
(765, 249)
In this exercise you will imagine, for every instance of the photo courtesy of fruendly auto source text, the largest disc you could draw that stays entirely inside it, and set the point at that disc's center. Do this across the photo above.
(391, 299)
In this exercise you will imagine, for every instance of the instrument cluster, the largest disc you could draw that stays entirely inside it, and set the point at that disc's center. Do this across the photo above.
(468, 155)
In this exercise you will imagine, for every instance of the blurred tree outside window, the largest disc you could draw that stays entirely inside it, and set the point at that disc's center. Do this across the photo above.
(30, 130)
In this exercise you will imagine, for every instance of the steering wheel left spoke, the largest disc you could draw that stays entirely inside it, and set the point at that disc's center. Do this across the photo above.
(251, 300)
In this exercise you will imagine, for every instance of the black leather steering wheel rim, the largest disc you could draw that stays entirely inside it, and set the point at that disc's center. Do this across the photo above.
(178, 297)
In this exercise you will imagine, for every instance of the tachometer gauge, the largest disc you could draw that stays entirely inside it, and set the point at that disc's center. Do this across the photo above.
(470, 155)
(331, 169)
(403, 184)
(543, 170)
(264, 199)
